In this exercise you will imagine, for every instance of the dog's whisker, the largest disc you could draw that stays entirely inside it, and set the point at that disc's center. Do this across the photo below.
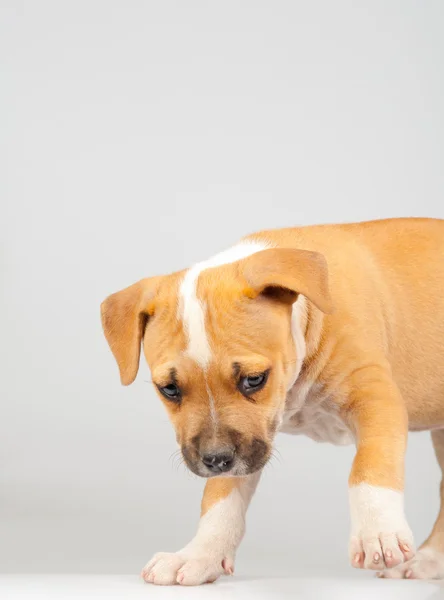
(268, 465)
(176, 453)
(176, 459)
(275, 453)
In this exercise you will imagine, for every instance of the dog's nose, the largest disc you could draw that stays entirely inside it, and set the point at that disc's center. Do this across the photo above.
(220, 461)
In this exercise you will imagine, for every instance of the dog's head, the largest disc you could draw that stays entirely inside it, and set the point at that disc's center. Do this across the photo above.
(219, 343)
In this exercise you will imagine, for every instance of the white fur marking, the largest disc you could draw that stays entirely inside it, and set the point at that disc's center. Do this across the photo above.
(214, 546)
(378, 525)
(213, 413)
(373, 506)
(194, 318)
(191, 308)
(298, 313)
(309, 411)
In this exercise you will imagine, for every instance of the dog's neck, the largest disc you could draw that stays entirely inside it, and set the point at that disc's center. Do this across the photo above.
(306, 329)
(312, 326)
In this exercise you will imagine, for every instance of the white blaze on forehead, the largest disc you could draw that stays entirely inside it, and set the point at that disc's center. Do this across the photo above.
(191, 309)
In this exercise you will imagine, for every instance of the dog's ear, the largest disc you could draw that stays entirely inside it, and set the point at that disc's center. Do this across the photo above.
(284, 273)
(124, 317)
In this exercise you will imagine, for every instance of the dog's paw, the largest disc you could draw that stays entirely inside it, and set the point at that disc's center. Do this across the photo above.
(378, 549)
(186, 569)
(381, 537)
(427, 564)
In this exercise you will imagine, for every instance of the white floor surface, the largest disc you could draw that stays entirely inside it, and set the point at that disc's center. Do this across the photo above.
(127, 587)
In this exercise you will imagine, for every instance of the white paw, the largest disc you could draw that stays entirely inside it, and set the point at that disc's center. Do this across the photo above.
(427, 564)
(186, 568)
(379, 549)
(381, 537)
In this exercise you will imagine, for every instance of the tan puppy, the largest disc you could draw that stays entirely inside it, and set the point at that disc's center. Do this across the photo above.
(334, 331)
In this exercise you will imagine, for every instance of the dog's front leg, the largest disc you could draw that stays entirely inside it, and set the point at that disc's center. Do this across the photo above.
(212, 550)
(380, 535)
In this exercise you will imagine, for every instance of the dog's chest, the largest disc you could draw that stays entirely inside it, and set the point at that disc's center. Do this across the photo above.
(308, 411)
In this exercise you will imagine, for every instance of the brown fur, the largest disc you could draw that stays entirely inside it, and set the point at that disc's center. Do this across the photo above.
(216, 489)
(380, 352)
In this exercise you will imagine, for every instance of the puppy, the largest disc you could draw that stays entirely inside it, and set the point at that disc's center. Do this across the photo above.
(332, 331)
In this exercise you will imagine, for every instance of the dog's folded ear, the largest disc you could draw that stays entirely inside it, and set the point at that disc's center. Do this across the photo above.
(124, 317)
(284, 273)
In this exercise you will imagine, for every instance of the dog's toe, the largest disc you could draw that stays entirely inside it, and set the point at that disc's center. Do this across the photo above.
(169, 569)
(163, 568)
(427, 564)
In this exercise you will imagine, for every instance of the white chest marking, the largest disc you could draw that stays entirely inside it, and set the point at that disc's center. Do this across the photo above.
(309, 412)
(191, 309)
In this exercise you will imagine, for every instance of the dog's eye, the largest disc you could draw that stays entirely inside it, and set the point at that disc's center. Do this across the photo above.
(170, 391)
(252, 383)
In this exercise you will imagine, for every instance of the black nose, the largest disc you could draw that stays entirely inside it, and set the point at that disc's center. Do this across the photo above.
(219, 462)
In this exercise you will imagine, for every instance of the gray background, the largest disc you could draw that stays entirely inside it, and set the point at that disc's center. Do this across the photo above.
(137, 138)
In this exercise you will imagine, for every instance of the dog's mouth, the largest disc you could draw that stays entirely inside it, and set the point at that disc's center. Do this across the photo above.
(222, 461)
